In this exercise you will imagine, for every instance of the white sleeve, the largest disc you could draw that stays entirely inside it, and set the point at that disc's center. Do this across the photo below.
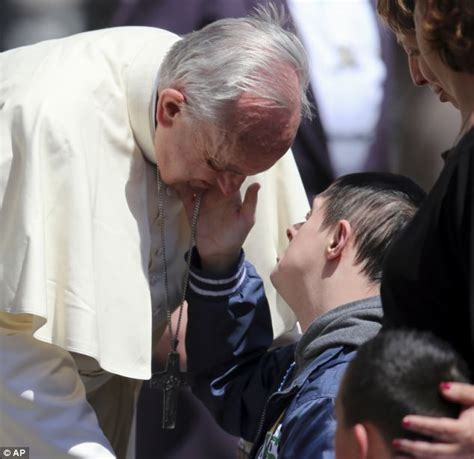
(43, 403)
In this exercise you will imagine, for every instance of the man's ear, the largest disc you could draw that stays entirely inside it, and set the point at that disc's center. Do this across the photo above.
(361, 439)
(169, 105)
(341, 235)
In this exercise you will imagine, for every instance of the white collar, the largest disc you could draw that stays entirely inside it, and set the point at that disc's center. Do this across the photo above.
(142, 83)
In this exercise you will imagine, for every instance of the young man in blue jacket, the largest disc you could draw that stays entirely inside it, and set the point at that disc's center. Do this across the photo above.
(283, 400)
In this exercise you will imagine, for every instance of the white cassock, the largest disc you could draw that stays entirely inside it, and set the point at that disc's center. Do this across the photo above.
(80, 251)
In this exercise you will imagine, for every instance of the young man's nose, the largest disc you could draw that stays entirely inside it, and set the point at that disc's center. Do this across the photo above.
(292, 231)
(229, 183)
(416, 75)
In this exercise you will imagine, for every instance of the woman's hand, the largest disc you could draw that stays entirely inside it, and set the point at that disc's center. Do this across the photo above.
(453, 438)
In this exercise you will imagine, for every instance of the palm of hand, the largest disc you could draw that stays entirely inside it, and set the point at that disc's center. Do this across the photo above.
(224, 223)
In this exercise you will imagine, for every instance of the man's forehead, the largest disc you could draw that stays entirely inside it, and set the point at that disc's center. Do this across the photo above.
(242, 161)
(254, 149)
(268, 128)
(264, 125)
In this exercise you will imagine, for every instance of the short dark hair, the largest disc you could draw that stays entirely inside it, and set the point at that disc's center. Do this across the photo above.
(398, 373)
(378, 206)
(398, 15)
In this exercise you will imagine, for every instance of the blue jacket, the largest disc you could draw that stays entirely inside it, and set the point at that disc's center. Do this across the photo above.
(247, 388)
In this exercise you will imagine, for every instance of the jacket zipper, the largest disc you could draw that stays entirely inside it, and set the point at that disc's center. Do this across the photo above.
(275, 394)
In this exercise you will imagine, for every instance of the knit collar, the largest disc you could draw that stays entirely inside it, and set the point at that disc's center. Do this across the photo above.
(348, 325)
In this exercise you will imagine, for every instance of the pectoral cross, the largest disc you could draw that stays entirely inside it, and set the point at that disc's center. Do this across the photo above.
(169, 381)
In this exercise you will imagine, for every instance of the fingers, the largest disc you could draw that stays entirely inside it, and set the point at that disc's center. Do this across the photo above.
(443, 429)
(457, 435)
(458, 392)
(423, 449)
(249, 205)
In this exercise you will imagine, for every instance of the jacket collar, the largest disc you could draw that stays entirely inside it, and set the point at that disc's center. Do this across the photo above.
(341, 353)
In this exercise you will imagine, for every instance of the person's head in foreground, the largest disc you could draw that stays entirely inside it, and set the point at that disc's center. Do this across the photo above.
(344, 242)
(396, 373)
(230, 100)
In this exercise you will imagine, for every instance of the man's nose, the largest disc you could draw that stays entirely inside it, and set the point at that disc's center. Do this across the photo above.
(229, 183)
(292, 231)
(416, 75)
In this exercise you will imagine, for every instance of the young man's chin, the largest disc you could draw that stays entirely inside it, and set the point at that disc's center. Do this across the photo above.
(274, 277)
(279, 279)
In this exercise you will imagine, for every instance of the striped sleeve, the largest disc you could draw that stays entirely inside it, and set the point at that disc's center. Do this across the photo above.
(205, 284)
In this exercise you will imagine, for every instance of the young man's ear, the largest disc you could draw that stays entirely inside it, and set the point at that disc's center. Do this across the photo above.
(361, 439)
(169, 105)
(340, 239)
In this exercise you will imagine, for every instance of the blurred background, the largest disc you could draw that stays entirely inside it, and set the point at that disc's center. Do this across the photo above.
(418, 127)
(369, 117)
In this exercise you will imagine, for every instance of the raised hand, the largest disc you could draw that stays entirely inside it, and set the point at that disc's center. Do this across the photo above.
(223, 225)
(453, 438)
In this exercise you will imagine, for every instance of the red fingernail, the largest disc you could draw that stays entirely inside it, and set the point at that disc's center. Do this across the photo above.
(445, 386)
(406, 423)
(396, 443)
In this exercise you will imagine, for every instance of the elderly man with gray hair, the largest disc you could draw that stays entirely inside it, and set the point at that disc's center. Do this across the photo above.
(102, 136)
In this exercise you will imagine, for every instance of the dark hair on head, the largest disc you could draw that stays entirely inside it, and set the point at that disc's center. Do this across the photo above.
(378, 206)
(398, 15)
(398, 373)
(448, 26)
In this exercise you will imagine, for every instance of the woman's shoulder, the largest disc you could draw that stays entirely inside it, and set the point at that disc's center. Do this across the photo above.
(467, 140)
(460, 158)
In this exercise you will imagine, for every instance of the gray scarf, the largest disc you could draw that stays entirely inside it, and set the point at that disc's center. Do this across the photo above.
(348, 325)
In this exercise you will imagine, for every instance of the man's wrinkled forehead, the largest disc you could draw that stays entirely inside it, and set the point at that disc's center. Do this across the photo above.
(268, 125)
(261, 124)
(229, 155)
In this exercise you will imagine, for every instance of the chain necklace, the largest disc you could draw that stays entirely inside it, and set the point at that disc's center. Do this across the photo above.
(194, 219)
(170, 380)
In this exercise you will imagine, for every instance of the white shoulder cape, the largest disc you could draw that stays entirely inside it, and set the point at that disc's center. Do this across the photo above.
(79, 243)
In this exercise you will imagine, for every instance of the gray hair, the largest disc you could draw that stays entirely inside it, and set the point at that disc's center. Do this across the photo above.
(214, 66)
